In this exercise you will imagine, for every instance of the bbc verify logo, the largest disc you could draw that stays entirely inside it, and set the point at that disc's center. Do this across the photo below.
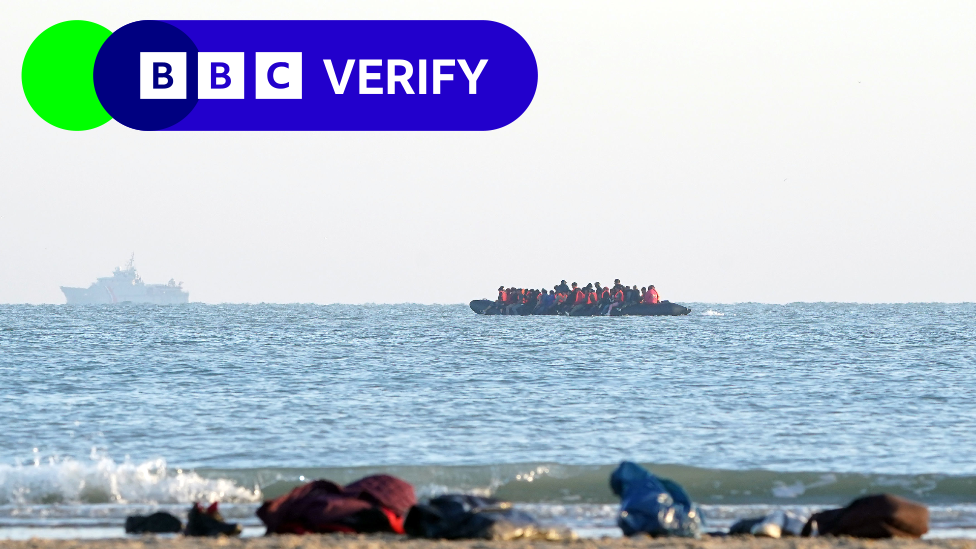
(291, 75)
(278, 75)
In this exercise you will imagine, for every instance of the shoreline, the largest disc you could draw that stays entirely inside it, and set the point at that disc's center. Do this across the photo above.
(341, 541)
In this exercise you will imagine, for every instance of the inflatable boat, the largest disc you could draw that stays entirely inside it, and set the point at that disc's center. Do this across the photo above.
(664, 308)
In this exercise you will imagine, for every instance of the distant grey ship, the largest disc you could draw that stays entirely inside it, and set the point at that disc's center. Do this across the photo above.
(125, 286)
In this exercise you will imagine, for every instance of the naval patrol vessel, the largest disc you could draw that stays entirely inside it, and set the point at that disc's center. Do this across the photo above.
(125, 286)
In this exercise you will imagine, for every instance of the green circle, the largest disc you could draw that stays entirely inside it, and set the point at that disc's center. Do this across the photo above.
(58, 75)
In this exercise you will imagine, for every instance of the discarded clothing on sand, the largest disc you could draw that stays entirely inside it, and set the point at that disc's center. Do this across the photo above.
(376, 503)
(156, 523)
(878, 516)
(653, 505)
(209, 522)
(459, 516)
(774, 525)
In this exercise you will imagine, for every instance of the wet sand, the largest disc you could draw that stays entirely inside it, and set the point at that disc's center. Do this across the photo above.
(391, 542)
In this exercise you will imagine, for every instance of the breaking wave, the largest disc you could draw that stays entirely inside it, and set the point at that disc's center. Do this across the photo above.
(102, 480)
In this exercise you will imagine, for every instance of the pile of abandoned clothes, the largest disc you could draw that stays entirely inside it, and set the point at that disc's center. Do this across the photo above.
(383, 503)
(774, 525)
(652, 505)
(876, 517)
(377, 503)
(879, 516)
(457, 516)
(200, 522)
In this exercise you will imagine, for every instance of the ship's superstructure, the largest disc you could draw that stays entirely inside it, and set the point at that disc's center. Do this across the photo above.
(125, 286)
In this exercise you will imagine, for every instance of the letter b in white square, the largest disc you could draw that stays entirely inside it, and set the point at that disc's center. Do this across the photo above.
(220, 75)
(162, 75)
(278, 75)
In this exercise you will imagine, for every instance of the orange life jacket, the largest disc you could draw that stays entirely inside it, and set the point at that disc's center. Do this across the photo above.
(503, 296)
(561, 297)
(591, 298)
(579, 298)
(619, 296)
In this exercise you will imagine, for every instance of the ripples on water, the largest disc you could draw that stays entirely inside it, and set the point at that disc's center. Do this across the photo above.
(827, 387)
(93, 393)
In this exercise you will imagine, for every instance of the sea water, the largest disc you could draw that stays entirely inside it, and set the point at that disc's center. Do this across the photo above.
(115, 410)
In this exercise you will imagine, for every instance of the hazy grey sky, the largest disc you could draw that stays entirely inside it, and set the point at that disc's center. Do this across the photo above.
(723, 151)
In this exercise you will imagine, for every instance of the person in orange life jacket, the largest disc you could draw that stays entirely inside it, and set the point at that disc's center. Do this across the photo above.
(516, 302)
(581, 299)
(509, 299)
(617, 286)
(642, 294)
(561, 296)
(602, 295)
(616, 301)
(571, 298)
(502, 301)
(592, 298)
(651, 297)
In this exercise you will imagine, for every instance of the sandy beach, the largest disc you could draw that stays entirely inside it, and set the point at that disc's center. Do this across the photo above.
(389, 542)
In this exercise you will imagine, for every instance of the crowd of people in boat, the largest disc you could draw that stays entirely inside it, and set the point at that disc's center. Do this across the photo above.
(563, 299)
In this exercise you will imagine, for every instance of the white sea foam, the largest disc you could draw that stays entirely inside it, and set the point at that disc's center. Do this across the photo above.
(783, 490)
(709, 312)
(102, 480)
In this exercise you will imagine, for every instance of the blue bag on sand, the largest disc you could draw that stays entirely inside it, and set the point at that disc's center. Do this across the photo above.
(653, 505)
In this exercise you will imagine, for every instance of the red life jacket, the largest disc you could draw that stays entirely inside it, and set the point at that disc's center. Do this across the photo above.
(654, 297)
(503, 296)
(605, 293)
(619, 296)
(591, 298)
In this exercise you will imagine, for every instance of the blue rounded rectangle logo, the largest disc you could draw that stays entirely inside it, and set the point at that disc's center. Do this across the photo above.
(315, 75)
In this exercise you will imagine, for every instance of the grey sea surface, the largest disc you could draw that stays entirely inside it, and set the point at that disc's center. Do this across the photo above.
(111, 409)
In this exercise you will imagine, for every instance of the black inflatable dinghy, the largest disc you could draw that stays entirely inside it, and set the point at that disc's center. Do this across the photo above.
(664, 308)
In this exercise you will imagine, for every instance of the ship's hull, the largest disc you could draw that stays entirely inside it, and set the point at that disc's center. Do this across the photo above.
(106, 295)
(664, 308)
